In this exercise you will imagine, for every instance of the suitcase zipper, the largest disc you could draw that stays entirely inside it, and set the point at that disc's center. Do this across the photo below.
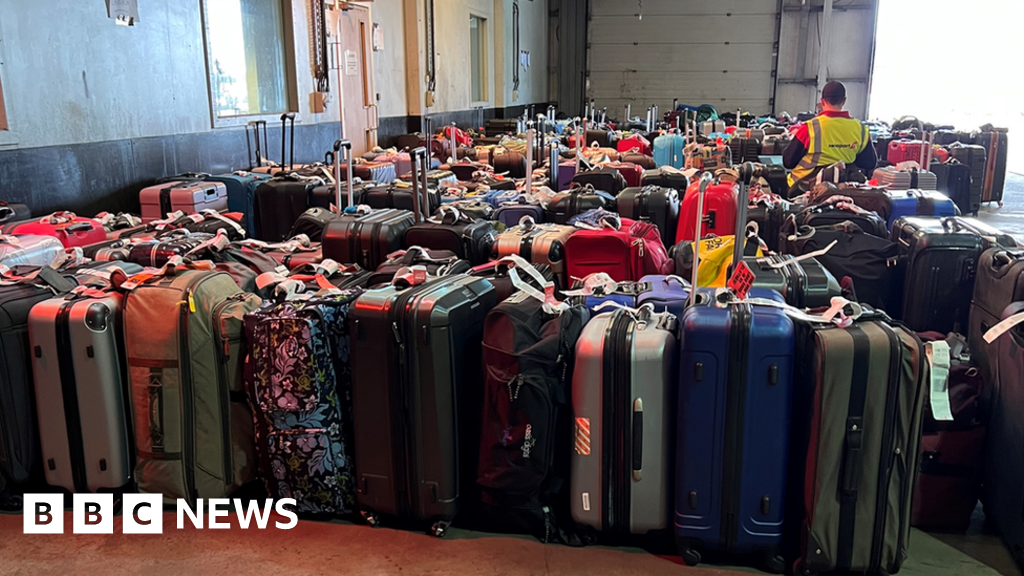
(187, 389)
(888, 447)
(69, 391)
(223, 351)
(616, 434)
(735, 398)
(399, 408)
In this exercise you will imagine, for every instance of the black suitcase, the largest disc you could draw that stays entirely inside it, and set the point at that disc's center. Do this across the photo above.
(1000, 283)
(279, 202)
(769, 219)
(975, 158)
(400, 195)
(564, 205)
(601, 178)
(19, 436)
(416, 400)
(659, 206)
(804, 284)
(469, 238)
(366, 239)
(745, 149)
(312, 223)
(13, 212)
(156, 253)
(828, 214)
(436, 262)
(777, 178)
(941, 263)
(954, 180)
(500, 126)
(666, 178)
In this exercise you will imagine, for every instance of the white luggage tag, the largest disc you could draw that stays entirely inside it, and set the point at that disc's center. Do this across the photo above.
(938, 354)
(1003, 327)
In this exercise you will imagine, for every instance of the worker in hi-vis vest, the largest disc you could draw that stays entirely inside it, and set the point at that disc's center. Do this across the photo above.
(831, 136)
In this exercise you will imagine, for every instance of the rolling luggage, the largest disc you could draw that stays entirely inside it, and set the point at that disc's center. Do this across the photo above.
(603, 178)
(644, 161)
(304, 409)
(83, 409)
(626, 253)
(857, 440)
(828, 213)
(184, 349)
(188, 196)
(29, 250)
(941, 267)
(366, 238)
(906, 151)
(976, 158)
(744, 149)
(13, 212)
(634, 143)
(469, 238)
(893, 179)
(279, 203)
(512, 213)
(158, 252)
(72, 231)
(241, 192)
(632, 173)
(666, 177)
(719, 209)
(477, 209)
(20, 459)
(436, 263)
(803, 284)
(623, 393)
(919, 203)
(415, 361)
(1000, 282)
(312, 224)
(668, 150)
(994, 140)
(537, 244)
(577, 200)
(956, 184)
(665, 293)
(400, 195)
(660, 206)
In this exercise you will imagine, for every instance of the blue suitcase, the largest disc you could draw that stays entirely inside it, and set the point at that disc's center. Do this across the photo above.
(735, 386)
(510, 214)
(241, 191)
(919, 203)
(666, 293)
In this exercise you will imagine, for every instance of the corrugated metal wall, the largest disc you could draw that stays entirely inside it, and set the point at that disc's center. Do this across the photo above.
(719, 52)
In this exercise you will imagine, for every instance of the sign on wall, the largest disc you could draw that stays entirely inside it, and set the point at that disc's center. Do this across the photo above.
(125, 12)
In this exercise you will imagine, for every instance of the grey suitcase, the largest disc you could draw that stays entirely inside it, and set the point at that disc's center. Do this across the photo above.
(81, 392)
(623, 397)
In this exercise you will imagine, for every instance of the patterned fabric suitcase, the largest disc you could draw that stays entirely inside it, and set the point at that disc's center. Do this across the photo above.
(299, 382)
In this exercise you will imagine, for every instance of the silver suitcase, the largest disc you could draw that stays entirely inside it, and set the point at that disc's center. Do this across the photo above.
(29, 250)
(78, 368)
(623, 398)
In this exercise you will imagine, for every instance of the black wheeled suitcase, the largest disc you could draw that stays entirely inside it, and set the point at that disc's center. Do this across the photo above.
(804, 284)
(78, 365)
(416, 399)
(469, 238)
(366, 238)
(954, 180)
(976, 158)
(279, 203)
(666, 177)
(1000, 283)
(13, 212)
(657, 205)
(744, 149)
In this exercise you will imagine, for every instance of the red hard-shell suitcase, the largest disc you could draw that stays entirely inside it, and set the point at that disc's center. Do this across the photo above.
(71, 230)
(719, 208)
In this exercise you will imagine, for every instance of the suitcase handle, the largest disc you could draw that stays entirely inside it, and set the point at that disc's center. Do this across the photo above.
(638, 439)
(705, 181)
(211, 193)
(345, 145)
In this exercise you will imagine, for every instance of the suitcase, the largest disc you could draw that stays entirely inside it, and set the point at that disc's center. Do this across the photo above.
(603, 179)
(158, 252)
(803, 284)
(29, 250)
(477, 209)
(906, 151)
(510, 164)
(188, 196)
(894, 179)
(566, 174)
(666, 177)
(644, 161)
(660, 206)
(436, 179)
(415, 359)
(623, 391)
(941, 267)
(84, 419)
(668, 150)
(469, 238)
(957, 186)
(366, 238)
(995, 144)
(744, 149)
(279, 203)
(1000, 282)
(828, 214)
(537, 244)
(304, 409)
(229, 224)
(20, 459)
(857, 438)
(629, 253)
(665, 293)
(631, 173)
(72, 231)
(719, 209)
(735, 389)
(976, 158)
(634, 143)
(312, 224)
(777, 178)
(241, 192)
(400, 195)
(919, 203)
(577, 200)
(13, 212)
(512, 213)
(436, 263)
(184, 350)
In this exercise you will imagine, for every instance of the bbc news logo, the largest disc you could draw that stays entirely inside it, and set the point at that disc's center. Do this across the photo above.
(143, 514)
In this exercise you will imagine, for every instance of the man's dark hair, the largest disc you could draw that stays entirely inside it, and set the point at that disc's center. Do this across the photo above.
(834, 93)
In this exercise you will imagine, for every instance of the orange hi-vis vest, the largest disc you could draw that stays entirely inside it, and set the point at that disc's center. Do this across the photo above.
(832, 139)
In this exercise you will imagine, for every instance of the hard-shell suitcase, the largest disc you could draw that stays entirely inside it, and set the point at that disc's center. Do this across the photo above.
(436, 263)
(976, 158)
(666, 177)
(623, 393)
(400, 195)
(303, 408)
(634, 143)
(537, 244)
(803, 284)
(668, 150)
(1000, 282)
(665, 293)
(184, 349)
(13, 212)
(955, 182)
(241, 192)
(189, 196)
(156, 253)
(857, 439)
(19, 436)
(893, 179)
(744, 149)
(919, 203)
(469, 238)
(512, 213)
(659, 206)
(29, 250)
(577, 200)
(415, 359)
(82, 392)
(732, 447)
(995, 144)
(366, 238)
(72, 231)
(602, 178)
(279, 203)
(628, 253)
(312, 224)
(719, 210)
(632, 173)
(644, 161)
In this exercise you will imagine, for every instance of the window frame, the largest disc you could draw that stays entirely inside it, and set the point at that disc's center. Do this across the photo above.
(291, 82)
(485, 62)
(8, 136)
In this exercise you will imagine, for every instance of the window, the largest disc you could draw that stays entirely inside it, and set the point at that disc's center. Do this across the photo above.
(247, 49)
(478, 58)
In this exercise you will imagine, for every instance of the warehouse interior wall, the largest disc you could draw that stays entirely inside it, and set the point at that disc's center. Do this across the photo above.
(992, 96)
(104, 109)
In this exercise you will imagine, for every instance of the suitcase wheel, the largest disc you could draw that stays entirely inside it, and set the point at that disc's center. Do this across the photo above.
(774, 562)
(371, 519)
(440, 528)
(690, 556)
(801, 569)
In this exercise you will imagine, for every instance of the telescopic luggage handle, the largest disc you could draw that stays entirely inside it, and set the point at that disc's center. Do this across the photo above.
(285, 118)
(338, 147)
(740, 239)
(705, 181)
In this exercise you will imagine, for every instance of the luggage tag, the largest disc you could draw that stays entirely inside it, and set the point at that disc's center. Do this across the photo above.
(410, 276)
(798, 259)
(938, 354)
(742, 280)
(1003, 327)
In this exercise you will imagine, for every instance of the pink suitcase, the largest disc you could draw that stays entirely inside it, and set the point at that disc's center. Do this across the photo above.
(71, 230)
(188, 197)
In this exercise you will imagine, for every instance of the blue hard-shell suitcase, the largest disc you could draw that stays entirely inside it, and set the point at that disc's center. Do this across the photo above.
(241, 191)
(735, 387)
(919, 203)
(666, 293)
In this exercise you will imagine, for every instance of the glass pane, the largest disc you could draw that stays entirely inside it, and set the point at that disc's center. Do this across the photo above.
(476, 30)
(247, 57)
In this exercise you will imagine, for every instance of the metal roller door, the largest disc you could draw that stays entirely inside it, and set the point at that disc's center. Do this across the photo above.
(719, 52)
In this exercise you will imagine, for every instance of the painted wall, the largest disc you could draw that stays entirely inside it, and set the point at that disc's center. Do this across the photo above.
(389, 63)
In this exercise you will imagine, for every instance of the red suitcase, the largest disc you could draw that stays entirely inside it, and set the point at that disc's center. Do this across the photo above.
(629, 253)
(905, 150)
(636, 143)
(633, 173)
(720, 206)
(71, 230)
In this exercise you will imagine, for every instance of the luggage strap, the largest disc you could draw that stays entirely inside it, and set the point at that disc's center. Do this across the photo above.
(853, 455)
(516, 264)
(211, 213)
(298, 243)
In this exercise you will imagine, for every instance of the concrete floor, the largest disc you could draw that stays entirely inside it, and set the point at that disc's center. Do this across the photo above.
(343, 548)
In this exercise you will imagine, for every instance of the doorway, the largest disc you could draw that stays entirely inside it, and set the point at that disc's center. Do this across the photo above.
(354, 73)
